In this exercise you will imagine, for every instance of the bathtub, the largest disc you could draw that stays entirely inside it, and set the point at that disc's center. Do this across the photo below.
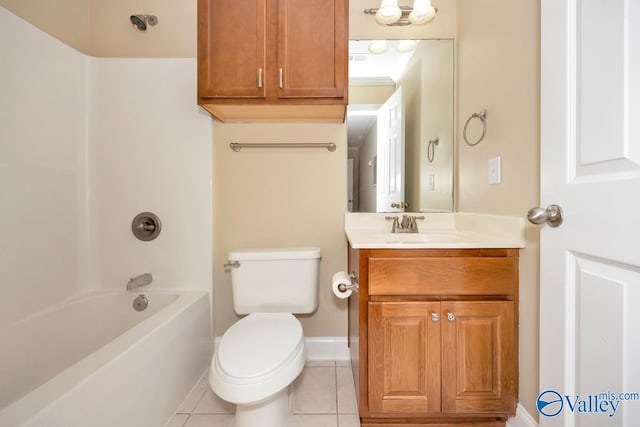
(95, 361)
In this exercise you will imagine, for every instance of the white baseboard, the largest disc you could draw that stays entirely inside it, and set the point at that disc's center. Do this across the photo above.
(327, 348)
(320, 348)
(522, 419)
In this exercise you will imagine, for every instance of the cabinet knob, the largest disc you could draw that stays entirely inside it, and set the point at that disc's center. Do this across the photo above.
(281, 78)
(435, 317)
(451, 317)
(260, 78)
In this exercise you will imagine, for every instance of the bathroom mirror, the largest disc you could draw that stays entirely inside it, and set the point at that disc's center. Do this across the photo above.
(400, 125)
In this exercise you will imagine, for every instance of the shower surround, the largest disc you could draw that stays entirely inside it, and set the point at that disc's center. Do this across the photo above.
(85, 145)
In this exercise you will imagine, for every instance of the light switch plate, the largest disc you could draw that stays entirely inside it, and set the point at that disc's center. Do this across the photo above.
(495, 173)
(431, 182)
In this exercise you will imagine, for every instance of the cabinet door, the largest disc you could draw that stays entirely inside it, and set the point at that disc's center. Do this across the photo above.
(404, 357)
(312, 43)
(231, 48)
(478, 357)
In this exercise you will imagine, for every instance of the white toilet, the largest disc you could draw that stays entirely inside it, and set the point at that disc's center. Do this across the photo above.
(261, 354)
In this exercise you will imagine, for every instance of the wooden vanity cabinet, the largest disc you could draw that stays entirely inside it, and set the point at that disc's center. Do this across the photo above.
(263, 60)
(437, 336)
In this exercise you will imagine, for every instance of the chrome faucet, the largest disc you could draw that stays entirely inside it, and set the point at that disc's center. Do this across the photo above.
(139, 281)
(396, 223)
(407, 225)
(408, 222)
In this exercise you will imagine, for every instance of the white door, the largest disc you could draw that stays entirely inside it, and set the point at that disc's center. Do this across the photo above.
(590, 166)
(390, 153)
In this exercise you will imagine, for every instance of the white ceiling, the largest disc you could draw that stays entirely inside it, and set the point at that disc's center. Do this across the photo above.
(366, 65)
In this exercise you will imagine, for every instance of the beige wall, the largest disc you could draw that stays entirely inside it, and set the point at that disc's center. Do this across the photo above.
(281, 197)
(411, 83)
(370, 94)
(366, 153)
(112, 34)
(66, 20)
(429, 112)
(498, 69)
(102, 28)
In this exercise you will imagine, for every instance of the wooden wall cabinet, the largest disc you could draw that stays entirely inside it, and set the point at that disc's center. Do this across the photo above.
(268, 60)
(436, 336)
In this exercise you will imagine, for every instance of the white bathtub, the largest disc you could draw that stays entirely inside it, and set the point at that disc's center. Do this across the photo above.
(95, 361)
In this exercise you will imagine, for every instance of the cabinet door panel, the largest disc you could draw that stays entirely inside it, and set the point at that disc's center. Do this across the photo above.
(404, 357)
(312, 40)
(478, 357)
(231, 48)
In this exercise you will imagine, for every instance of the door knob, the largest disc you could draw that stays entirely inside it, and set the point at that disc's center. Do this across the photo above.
(552, 215)
(400, 205)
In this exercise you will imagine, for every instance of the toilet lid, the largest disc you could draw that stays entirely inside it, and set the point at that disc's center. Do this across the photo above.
(259, 344)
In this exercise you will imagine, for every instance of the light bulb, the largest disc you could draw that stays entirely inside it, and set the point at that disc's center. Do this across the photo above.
(388, 12)
(378, 46)
(406, 45)
(422, 12)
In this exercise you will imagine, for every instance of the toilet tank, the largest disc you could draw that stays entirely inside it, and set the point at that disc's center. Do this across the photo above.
(275, 280)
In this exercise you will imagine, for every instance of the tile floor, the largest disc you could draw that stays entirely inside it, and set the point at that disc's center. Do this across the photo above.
(322, 396)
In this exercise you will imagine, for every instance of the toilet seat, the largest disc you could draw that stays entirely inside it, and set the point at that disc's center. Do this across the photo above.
(258, 356)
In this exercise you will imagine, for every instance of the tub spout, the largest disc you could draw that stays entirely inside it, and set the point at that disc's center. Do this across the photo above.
(138, 281)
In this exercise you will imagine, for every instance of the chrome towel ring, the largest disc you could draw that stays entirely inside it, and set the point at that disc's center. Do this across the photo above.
(482, 115)
(431, 148)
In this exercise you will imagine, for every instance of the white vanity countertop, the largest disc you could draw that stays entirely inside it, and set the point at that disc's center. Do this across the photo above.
(436, 231)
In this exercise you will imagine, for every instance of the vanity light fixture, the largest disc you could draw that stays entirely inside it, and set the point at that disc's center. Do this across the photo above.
(389, 13)
(422, 12)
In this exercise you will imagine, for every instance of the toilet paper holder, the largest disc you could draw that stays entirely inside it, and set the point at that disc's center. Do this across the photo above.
(352, 287)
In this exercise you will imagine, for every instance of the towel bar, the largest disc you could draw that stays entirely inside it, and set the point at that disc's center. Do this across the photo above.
(237, 146)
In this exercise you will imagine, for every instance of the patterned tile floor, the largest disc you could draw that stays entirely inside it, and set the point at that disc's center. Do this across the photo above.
(322, 396)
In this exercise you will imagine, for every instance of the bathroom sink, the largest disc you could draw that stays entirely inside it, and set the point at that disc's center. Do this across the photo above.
(427, 236)
(444, 236)
(436, 230)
